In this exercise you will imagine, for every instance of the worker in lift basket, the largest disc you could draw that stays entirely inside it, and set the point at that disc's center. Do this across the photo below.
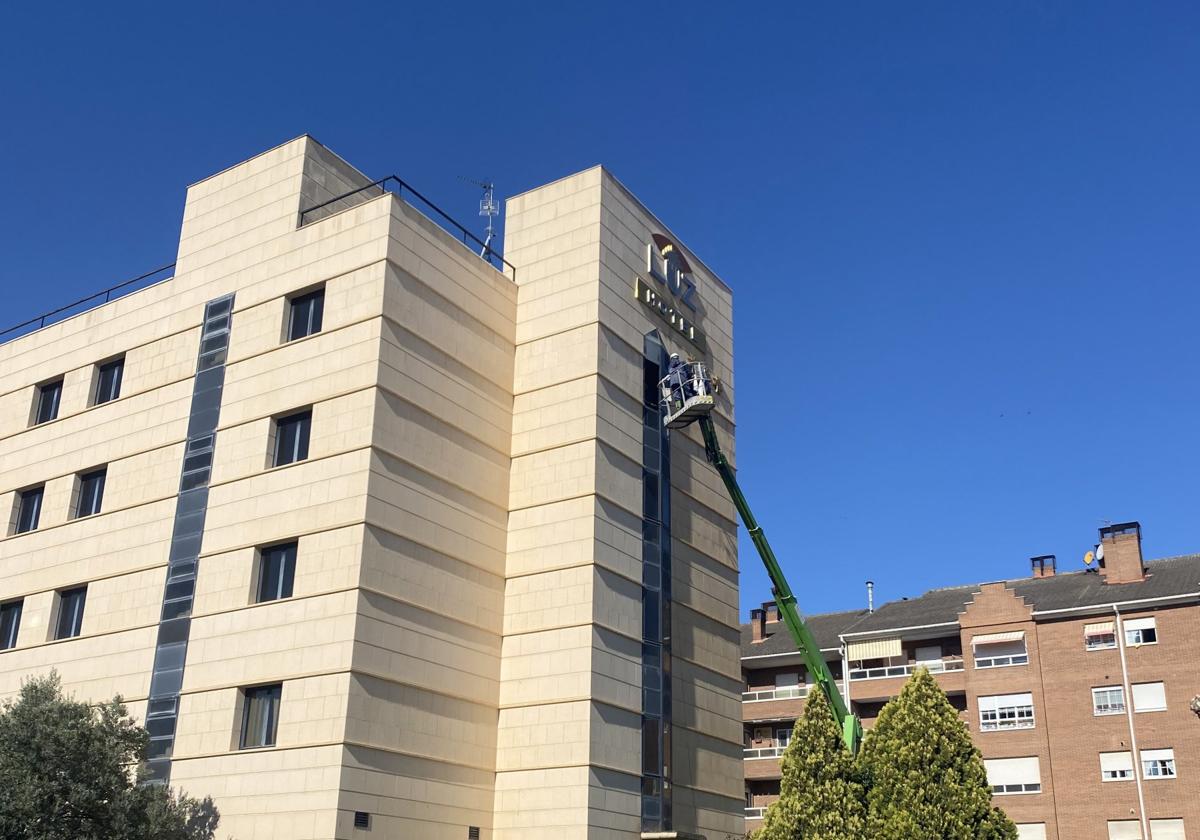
(678, 372)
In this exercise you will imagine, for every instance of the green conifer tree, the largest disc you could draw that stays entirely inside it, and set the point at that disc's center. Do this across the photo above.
(820, 795)
(925, 778)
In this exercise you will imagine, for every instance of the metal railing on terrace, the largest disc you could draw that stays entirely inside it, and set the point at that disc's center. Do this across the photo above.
(787, 692)
(763, 752)
(84, 304)
(397, 186)
(938, 666)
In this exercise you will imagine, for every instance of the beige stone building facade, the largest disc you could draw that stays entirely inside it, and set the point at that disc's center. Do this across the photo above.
(383, 538)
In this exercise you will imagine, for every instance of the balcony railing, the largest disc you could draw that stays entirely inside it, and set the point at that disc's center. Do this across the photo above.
(938, 666)
(787, 692)
(763, 752)
(756, 813)
(1001, 661)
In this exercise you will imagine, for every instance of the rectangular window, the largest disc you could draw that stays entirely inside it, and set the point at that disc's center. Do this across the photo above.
(1116, 766)
(48, 398)
(999, 650)
(1006, 711)
(1124, 830)
(1100, 636)
(783, 737)
(304, 316)
(291, 438)
(1158, 764)
(1108, 700)
(260, 718)
(1014, 775)
(29, 509)
(276, 570)
(1149, 697)
(108, 381)
(70, 612)
(1167, 830)
(91, 492)
(1031, 831)
(10, 623)
(1141, 631)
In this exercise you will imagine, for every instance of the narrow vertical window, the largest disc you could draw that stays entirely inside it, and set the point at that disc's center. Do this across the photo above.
(108, 381)
(305, 313)
(260, 719)
(48, 398)
(29, 509)
(91, 492)
(70, 612)
(277, 569)
(10, 623)
(291, 438)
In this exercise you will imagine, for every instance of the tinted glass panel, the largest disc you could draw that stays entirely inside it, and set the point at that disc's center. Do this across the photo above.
(48, 399)
(30, 509)
(91, 493)
(291, 438)
(261, 716)
(108, 385)
(10, 623)
(278, 568)
(651, 756)
(307, 311)
(70, 612)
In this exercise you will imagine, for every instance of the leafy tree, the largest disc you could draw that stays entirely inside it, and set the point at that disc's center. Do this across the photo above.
(925, 778)
(68, 772)
(820, 794)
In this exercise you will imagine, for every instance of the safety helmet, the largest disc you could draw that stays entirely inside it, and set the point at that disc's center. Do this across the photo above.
(674, 355)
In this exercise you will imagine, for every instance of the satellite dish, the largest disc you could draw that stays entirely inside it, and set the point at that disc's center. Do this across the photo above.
(1089, 559)
(1100, 552)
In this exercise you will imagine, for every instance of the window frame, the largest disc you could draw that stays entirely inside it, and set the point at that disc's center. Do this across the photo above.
(1104, 778)
(1112, 710)
(298, 300)
(1151, 625)
(8, 608)
(76, 621)
(117, 364)
(1015, 719)
(1133, 697)
(1167, 763)
(287, 571)
(249, 694)
(40, 401)
(303, 419)
(22, 500)
(82, 478)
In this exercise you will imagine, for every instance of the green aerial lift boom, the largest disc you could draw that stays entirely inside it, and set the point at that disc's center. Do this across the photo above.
(687, 397)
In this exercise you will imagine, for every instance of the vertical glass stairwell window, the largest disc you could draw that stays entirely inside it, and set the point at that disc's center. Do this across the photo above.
(656, 597)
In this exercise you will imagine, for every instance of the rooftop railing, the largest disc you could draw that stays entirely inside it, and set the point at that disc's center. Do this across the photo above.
(396, 185)
(84, 304)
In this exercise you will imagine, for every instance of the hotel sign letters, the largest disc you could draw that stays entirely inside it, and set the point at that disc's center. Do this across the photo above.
(672, 294)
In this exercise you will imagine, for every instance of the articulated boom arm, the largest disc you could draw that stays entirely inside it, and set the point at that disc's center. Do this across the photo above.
(851, 726)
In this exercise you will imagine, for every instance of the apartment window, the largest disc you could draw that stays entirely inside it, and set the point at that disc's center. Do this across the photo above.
(108, 380)
(999, 650)
(304, 314)
(10, 623)
(29, 509)
(1116, 766)
(1031, 831)
(70, 612)
(276, 570)
(1158, 764)
(1100, 636)
(1149, 697)
(91, 492)
(291, 438)
(1009, 776)
(1167, 830)
(1124, 830)
(48, 398)
(1108, 700)
(260, 716)
(1141, 631)
(783, 737)
(1006, 711)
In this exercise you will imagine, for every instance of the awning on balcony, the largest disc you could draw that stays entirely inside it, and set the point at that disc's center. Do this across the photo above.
(996, 638)
(874, 649)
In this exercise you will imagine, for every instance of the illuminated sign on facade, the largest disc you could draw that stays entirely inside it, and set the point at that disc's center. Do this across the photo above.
(673, 293)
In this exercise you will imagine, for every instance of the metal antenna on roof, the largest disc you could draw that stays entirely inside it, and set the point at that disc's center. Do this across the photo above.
(488, 206)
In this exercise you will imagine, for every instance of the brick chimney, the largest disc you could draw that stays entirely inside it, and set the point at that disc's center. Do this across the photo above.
(1043, 565)
(758, 622)
(1122, 561)
(772, 611)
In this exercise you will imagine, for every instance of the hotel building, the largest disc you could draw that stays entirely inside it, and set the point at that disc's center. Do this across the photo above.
(380, 537)
(1077, 688)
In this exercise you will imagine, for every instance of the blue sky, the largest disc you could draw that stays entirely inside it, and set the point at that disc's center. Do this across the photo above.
(962, 236)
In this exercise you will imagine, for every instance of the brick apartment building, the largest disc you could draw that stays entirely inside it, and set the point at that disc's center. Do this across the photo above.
(1076, 687)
